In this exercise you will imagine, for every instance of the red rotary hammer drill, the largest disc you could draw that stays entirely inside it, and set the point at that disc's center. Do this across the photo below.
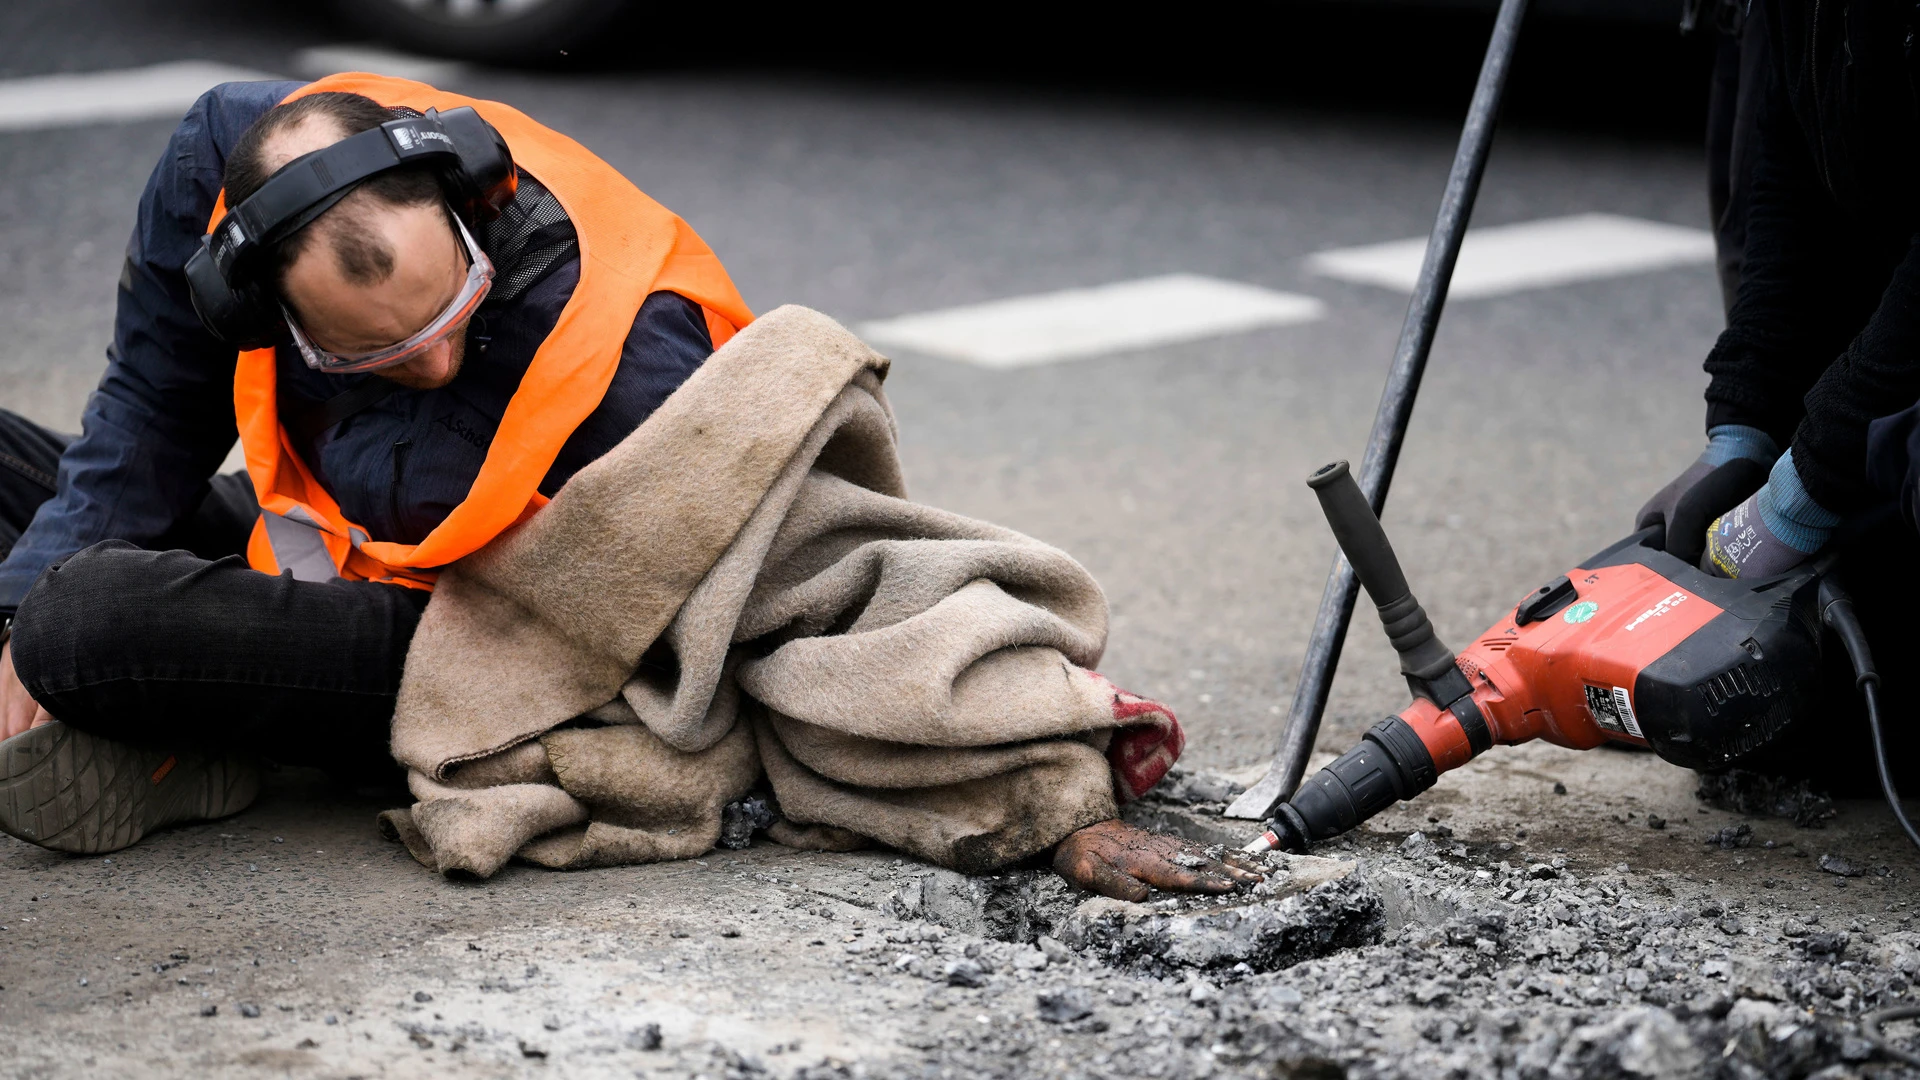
(1633, 646)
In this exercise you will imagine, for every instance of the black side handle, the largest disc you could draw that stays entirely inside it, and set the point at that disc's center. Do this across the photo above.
(1546, 600)
(1424, 659)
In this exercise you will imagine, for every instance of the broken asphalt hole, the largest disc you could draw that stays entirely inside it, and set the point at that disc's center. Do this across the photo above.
(1307, 908)
(1303, 912)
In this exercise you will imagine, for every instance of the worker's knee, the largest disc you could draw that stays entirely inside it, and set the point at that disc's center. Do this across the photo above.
(82, 610)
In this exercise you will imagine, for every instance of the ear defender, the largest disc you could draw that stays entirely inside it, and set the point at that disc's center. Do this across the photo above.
(484, 175)
(236, 316)
(468, 156)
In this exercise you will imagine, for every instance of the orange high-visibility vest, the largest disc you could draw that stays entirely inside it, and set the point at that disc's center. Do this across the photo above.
(630, 246)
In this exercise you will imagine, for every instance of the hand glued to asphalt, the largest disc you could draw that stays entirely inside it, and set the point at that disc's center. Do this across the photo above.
(1115, 859)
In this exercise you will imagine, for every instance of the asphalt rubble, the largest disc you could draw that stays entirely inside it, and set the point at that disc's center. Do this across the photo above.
(1744, 791)
(1435, 956)
(1437, 951)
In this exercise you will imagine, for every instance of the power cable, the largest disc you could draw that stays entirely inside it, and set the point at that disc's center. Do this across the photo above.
(1836, 611)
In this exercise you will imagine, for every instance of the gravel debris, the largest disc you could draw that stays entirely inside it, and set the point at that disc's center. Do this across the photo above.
(1422, 963)
(1233, 939)
(1834, 864)
(741, 819)
(1731, 837)
(1200, 789)
(1062, 1006)
(1459, 951)
(1744, 792)
(967, 973)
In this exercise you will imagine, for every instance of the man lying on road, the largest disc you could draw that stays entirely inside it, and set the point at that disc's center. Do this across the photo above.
(426, 356)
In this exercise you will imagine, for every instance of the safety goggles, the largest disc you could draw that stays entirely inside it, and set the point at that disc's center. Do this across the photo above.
(479, 281)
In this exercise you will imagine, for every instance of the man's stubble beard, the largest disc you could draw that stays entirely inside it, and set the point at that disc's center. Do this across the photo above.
(413, 381)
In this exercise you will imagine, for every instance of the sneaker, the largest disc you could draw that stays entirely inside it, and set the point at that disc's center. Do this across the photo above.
(63, 789)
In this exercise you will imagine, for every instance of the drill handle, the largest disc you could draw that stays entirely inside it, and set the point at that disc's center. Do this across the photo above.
(1424, 659)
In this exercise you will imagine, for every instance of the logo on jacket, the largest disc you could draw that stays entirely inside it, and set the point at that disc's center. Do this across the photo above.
(466, 432)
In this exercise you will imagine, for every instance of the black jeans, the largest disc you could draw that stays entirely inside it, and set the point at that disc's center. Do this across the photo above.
(186, 646)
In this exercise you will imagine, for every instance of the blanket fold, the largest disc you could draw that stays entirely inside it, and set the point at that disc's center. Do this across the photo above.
(741, 591)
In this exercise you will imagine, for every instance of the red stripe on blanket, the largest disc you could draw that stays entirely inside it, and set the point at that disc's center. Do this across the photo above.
(1146, 746)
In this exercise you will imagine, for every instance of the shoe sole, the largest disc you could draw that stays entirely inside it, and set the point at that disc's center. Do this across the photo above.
(66, 790)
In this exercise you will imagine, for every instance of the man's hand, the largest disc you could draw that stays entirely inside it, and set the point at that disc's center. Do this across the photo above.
(1772, 531)
(1115, 859)
(1733, 467)
(18, 710)
(1741, 545)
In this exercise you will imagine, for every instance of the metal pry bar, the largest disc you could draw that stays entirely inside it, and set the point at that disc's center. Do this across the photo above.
(1390, 421)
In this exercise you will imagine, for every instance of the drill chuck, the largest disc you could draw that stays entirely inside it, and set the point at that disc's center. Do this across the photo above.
(1388, 765)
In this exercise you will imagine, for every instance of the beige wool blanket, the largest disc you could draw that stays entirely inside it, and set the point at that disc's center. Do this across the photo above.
(740, 591)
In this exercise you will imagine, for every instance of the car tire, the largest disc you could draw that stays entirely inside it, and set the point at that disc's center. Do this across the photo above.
(490, 31)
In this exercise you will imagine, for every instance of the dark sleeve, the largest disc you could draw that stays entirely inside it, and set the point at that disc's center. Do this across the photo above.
(668, 343)
(161, 420)
(1878, 373)
(1787, 324)
(1893, 460)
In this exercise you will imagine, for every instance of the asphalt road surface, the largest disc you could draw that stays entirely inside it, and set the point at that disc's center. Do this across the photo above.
(1174, 471)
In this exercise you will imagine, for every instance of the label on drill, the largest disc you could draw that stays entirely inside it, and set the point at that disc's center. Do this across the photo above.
(1612, 708)
(1666, 604)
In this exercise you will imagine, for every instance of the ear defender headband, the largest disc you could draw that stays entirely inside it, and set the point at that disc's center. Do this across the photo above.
(469, 157)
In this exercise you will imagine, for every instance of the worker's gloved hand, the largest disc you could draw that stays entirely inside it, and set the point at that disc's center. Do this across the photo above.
(1776, 529)
(1115, 859)
(1733, 466)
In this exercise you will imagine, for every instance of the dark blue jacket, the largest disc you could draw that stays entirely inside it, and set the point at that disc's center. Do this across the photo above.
(162, 420)
(1893, 461)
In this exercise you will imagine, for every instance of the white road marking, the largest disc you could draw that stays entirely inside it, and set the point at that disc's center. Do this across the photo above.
(322, 60)
(1530, 255)
(163, 91)
(1027, 330)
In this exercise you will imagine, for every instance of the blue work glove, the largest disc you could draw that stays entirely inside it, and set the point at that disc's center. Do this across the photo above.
(1733, 467)
(1776, 529)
